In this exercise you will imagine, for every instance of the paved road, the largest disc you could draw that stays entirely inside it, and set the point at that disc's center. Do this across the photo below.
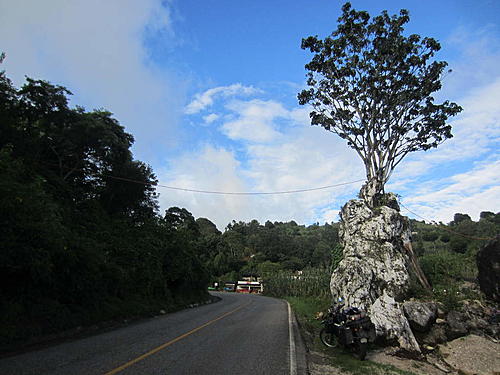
(241, 334)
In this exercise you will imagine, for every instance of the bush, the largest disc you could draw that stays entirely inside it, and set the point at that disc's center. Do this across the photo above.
(448, 295)
(445, 267)
(430, 236)
(458, 244)
(445, 237)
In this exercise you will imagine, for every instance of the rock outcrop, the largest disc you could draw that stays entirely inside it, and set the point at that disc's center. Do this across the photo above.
(374, 273)
(456, 325)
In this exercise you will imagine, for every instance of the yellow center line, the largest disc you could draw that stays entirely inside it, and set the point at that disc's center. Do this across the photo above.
(163, 346)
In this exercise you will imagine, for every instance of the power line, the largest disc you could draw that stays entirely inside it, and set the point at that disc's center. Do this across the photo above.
(273, 193)
(292, 192)
(445, 228)
(208, 191)
(236, 192)
(410, 211)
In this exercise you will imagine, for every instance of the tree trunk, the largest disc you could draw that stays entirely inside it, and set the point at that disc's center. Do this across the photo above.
(372, 191)
(422, 279)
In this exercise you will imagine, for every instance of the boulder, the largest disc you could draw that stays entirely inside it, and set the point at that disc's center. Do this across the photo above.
(456, 325)
(420, 315)
(374, 272)
(476, 325)
(436, 335)
(391, 324)
(488, 264)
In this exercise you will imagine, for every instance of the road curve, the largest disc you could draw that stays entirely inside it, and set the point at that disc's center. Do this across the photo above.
(241, 334)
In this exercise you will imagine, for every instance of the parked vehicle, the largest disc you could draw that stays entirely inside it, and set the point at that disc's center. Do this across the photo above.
(349, 327)
(244, 286)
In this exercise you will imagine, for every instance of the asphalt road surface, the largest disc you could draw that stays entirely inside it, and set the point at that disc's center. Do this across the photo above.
(241, 334)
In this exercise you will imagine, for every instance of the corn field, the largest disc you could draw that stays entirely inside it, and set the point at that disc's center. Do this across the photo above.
(312, 282)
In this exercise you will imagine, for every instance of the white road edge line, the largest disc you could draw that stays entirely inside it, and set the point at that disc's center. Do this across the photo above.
(293, 354)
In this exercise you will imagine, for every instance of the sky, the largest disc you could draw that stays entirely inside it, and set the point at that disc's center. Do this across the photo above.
(209, 91)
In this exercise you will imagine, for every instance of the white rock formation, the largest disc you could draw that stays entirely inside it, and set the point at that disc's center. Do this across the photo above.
(374, 273)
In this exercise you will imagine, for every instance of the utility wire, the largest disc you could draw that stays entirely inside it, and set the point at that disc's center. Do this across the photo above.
(212, 191)
(235, 192)
(445, 228)
(299, 191)
(272, 193)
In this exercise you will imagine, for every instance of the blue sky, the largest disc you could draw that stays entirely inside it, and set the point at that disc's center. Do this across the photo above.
(208, 89)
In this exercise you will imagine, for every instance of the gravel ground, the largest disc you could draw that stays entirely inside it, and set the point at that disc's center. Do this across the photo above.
(472, 355)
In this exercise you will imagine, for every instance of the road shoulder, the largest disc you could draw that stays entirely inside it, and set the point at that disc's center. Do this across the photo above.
(299, 345)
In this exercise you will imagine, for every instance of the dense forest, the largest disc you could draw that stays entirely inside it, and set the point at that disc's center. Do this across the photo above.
(80, 242)
(82, 239)
(253, 249)
(274, 251)
(445, 251)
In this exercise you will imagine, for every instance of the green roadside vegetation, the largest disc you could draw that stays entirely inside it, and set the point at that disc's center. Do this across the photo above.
(82, 239)
(447, 255)
(306, 308)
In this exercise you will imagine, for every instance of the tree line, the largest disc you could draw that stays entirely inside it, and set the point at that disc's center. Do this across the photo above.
(82, 239)
(445, 251)
(254, 249)
(80, 243)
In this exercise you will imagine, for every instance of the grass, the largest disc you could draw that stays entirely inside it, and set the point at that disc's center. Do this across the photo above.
(305, 309)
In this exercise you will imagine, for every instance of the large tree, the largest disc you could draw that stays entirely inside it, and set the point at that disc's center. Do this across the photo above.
(81, 238)
(372, 86)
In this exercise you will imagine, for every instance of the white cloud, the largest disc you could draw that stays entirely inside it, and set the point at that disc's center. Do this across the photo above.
(476, 63)
(463, 174)
(329, 216)
(279, 151)
(471, 192)
(478, 127)
(206, 99)
(96, 49)
(212, 169)
(300, 115)
(210, 118)
(255, 120)
(302, 157)
(476, 135)
(475, 85)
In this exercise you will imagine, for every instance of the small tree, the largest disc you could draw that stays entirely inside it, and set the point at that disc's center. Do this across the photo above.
(372, 86)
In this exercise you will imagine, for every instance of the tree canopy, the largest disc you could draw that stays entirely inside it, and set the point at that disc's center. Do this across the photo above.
(82, 240)
(372, 86)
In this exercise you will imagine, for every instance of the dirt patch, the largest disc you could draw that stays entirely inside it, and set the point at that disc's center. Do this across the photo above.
(319, 365)
(317, 369)
(472, 355)
(410, 365)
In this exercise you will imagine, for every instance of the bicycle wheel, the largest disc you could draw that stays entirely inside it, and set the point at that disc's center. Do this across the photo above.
(361, 350)
(328, 339)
